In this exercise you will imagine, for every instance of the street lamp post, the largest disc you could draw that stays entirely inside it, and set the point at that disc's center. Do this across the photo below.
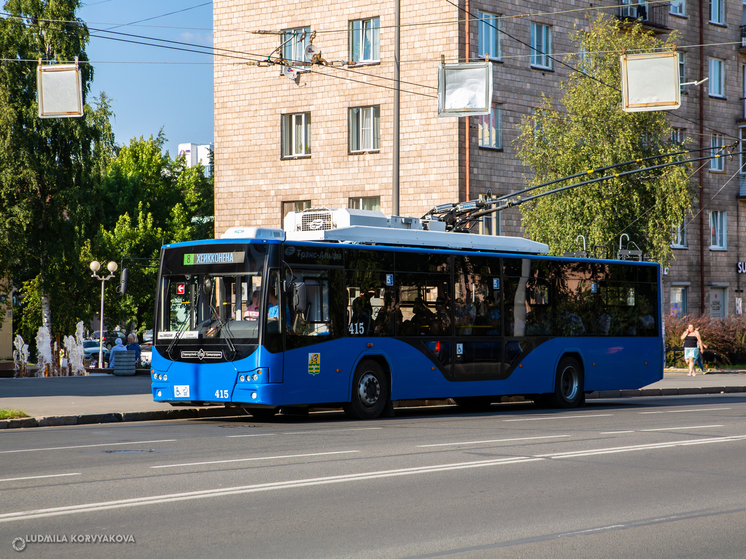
(112, 267)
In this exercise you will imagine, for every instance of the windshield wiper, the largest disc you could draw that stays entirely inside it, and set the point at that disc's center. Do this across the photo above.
(176, 339)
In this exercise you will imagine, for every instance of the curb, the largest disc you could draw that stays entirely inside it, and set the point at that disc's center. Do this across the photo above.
(196, 413)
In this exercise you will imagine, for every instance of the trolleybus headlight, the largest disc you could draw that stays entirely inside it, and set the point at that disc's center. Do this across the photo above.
(159, 393)
(155, 375)
(255, 377)
(241, 378)
(160, 377)
(165, 377)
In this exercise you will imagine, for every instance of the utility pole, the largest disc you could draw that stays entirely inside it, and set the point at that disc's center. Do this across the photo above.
(395, 165)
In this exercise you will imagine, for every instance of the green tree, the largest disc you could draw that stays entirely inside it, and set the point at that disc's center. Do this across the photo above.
(47, 187)
(148, 199)
(592, 131)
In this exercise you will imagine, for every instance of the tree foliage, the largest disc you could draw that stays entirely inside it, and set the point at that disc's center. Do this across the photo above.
(592, 131)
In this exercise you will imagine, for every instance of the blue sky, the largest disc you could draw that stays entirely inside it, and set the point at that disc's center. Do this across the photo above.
(153, 88)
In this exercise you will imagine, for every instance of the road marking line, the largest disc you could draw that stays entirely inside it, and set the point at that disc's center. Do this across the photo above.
(175, 497)
(615, 432)
(492, 441)
(252, 459)
(561, 417)
(680, 428)
(682, 411)
(255, 435)
(293, 484)
(613, 450)
(84, 446)
(37, 477)
(324, 431)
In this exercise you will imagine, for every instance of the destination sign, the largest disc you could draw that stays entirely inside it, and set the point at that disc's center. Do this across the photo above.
(197, 258)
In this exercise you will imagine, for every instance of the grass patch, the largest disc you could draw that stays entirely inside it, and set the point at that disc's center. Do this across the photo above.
(12, 414)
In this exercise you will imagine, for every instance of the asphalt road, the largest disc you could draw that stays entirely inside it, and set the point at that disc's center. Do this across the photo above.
(645, 477)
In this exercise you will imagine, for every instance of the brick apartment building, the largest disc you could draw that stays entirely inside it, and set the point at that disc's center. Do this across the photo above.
(325, 137)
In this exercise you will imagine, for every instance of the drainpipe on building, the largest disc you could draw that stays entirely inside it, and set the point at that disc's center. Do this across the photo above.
(395, 162)
(701, 169)
(467, 120)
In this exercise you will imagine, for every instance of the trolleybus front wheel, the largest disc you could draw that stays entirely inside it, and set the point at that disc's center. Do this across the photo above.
(568, 385)
(370, 391)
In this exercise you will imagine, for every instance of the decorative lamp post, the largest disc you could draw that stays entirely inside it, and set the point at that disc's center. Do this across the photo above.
(95, 266)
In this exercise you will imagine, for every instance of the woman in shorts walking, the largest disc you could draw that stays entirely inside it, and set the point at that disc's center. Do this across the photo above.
(692, 341)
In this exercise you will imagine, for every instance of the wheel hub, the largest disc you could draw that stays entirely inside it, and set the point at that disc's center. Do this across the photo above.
(369, 389)
(570, 383)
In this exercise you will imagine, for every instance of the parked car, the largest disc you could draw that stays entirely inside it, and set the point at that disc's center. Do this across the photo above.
(147, 336)
(111, 337)
(90, 352)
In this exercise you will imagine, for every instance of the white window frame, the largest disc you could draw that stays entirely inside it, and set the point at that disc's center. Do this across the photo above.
(718, 230)
(370, 203)
(678, 7)
(361, 32)
(717, 141)
(365, 129)
(490, 128)
(682, 70)
(294, 43)
(294, 146)
(491, 224)
(293, 206)
(682, 297)
(541, 46)
(717, 12)
(717, 77)
(489, 36)
(679, 236)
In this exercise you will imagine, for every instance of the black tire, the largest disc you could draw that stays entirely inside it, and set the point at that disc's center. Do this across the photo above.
(474, 404)
(568, 384)
(370, 391)
(262, 414)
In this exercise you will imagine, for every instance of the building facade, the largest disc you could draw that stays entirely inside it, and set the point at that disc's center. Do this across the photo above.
(321, 135)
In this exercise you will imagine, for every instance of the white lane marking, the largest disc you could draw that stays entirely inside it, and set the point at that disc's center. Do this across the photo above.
(84, 446)
(683, 411)
(680, 428)
(324, 431)
(615, 432)
(633, 448)
(492, 441)
(37, 477)
(253, 459)
(254, 435)
(174, 497)
(561, 417)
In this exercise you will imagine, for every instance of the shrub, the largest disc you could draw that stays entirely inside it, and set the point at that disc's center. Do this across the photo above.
(724, 337)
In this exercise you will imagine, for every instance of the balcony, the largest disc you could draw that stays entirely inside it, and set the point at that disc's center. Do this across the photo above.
(652, 16)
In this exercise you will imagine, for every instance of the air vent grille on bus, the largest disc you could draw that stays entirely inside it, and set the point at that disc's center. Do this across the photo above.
(316, 221)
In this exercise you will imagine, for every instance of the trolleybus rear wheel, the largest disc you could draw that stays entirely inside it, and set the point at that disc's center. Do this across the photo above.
(568, 385)
(370, 391)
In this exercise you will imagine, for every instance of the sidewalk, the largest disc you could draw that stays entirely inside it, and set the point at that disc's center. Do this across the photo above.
(103, 398)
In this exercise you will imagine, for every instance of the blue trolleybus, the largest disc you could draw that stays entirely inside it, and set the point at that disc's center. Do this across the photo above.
(356, 309)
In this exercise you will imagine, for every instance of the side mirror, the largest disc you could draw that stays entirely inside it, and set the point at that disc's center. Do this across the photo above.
(297, 295)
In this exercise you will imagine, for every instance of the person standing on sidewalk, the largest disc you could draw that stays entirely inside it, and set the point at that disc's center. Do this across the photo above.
(692, 341)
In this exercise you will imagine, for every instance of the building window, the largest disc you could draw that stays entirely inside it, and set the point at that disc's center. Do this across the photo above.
(365, 40)
(717, 11)
(489, 35)
(294, 43)
(296, 135)
(742, 147)
(541, 46)
(717, 77)
(365, 129)
(372, 203)
(679, 301)
(678, 7)
(294, 206)
(718, 230)
(491, 224)
(716, 144)
(490, 134)
(679, 236)
(682, 70)
(678, 136)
